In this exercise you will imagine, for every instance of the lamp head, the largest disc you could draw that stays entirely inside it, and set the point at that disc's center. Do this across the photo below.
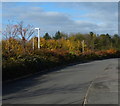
(37, 28)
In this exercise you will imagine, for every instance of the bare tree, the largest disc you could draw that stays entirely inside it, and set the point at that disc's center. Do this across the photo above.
(19, 31)
(25, 32)
(11, 31)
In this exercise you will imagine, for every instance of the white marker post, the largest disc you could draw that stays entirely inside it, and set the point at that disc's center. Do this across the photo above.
(38, 37)
(83, 46)
(33, 43)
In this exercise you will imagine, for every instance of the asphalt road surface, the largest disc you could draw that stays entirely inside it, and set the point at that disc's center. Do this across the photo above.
(88, 83)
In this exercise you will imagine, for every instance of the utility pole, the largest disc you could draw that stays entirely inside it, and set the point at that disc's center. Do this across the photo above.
(38, 37)
(83, 46)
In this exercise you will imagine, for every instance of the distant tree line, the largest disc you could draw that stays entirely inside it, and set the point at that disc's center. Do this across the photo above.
(19, 38)
(93, 41)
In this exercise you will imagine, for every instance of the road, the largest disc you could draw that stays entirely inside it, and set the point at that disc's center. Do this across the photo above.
(88, 83)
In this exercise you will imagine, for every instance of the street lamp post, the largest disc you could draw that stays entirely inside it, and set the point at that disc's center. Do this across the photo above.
(38, 37)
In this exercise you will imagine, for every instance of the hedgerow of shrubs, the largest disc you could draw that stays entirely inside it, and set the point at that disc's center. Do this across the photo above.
(42, 60)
